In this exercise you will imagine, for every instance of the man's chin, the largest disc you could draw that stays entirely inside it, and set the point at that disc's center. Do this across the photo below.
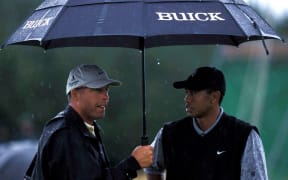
(100, 116)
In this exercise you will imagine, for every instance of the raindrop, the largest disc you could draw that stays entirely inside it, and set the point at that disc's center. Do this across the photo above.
(158, 61)
(45, 51)
(100, 20)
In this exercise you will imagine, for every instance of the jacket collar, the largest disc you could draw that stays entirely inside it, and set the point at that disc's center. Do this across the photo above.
(74, 120)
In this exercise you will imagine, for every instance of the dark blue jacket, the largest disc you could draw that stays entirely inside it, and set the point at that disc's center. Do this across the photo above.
(67, 151)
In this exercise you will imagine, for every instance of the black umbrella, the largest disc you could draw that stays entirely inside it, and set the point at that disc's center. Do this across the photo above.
(141, 24)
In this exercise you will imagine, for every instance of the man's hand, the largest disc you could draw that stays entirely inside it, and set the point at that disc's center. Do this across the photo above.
(144, 155)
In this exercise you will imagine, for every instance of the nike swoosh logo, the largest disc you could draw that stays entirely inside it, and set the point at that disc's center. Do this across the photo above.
(220, 152)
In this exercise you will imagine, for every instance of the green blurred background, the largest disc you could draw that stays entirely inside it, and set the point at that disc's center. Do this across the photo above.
(33, 86)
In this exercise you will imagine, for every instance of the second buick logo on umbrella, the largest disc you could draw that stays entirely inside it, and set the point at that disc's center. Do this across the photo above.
(37, 23)
(190, 16)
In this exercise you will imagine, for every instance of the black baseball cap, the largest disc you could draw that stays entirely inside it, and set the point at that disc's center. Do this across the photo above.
(204, 78)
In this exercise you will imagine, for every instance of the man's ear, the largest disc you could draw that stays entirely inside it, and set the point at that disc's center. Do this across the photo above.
(74, 94)
(216, 95)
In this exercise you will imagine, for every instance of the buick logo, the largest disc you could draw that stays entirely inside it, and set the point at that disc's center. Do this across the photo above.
(37, 23)
(190, 16)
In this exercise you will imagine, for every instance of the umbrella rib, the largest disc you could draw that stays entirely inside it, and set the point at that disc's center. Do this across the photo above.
(232, 37)
(104, 2)
(46, 46)
(255, 25)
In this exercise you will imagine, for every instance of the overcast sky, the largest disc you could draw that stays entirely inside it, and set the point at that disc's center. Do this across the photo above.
(277, 8)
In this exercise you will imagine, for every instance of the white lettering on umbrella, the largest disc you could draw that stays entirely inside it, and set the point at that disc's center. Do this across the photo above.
(37, 23)
(190, 16)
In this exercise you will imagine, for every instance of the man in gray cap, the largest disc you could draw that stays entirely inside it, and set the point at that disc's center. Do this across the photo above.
(208, 144)
(70, 146)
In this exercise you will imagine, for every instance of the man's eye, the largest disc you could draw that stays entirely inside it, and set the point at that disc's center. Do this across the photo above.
(98, 89)
(101, 89)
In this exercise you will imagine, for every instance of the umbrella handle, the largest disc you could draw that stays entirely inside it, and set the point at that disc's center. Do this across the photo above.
(144, 140)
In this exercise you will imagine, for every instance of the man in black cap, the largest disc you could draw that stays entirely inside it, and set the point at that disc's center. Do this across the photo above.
(70, 147)
(208, 144)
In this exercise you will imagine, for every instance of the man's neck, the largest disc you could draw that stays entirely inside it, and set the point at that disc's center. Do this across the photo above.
(88, 121)
(207, 121)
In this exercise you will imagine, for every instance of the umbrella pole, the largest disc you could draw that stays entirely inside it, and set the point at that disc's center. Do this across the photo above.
(144, 138)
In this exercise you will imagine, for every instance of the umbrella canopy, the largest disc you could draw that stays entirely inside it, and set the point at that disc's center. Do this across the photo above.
(141, 24)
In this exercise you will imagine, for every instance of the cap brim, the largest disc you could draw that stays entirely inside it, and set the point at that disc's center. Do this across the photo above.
(100, 84)
(115, 83)
(180, 84)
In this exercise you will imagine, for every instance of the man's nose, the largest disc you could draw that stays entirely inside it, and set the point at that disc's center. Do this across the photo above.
(188, 98)
(106, 95)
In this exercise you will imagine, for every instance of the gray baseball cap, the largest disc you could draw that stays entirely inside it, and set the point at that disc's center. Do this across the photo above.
(90, 76)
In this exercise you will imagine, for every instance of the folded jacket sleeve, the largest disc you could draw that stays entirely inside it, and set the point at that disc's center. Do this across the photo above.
(158, 165)
(125, 170)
